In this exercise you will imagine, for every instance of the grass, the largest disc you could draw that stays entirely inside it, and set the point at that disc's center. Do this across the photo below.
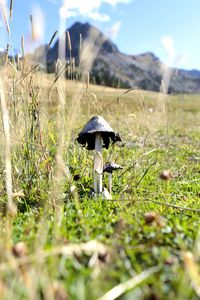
(149, 222)
(56, 240)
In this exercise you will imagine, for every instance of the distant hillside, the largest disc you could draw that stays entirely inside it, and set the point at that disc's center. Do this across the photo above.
(112, 67)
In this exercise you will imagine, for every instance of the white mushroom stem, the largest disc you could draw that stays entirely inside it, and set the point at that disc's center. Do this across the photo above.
(110, 182)
(98, 170)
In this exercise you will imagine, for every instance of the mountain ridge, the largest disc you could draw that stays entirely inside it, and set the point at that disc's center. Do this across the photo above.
(111, 67)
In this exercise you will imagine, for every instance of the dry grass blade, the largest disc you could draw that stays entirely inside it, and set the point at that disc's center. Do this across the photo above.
(62, 70)
(4, 10)
(29, 72)
(69, 44)
(11, 9)
(89, 51)
(23, 55)
(122, 288)
(192, 271)
(173, 206)
(11, 207)
(49, 44)
(128, 169)
(32, 28)
(135, 162)
(145, 172)
(7, 24)
(129, 90)
(13, 67)
(126, 92)
(80, 46)
(182, 208)
(52, 38)
(87, 82)
(22, 46)
(6, 55)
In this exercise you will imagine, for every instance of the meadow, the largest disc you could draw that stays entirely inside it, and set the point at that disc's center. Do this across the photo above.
(57, 241)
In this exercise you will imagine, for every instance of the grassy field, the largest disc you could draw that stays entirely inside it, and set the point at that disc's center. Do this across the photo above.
(59, 242)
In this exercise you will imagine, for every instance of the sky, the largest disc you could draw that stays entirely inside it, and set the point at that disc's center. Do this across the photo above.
(168, 28)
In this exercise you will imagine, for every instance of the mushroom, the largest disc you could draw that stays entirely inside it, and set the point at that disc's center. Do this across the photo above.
(109, 167)
(96, 134)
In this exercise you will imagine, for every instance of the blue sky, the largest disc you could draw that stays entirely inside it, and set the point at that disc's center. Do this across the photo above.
(168, 28)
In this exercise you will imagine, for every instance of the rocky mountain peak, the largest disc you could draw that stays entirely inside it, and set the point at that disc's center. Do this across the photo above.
(90, 31)
(114, 68)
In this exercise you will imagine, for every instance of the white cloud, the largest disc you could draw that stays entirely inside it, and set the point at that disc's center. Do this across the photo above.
(175, 59)
(87, 8)
(98, 17)
(112, 32)
(72, 8)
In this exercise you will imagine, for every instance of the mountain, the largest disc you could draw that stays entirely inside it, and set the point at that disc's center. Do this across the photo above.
(114, 68)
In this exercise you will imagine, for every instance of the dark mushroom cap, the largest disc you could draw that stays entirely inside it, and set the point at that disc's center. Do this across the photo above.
(109, 167)
(97, 125)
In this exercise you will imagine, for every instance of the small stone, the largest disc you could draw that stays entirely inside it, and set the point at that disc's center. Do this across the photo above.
(72, 190)
(154, 218)
(171, 260)
(150, 217)
(166, 175)
(19, 249)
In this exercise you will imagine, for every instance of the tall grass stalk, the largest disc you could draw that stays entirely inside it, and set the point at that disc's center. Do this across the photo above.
(11, 206)
(11, 9)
